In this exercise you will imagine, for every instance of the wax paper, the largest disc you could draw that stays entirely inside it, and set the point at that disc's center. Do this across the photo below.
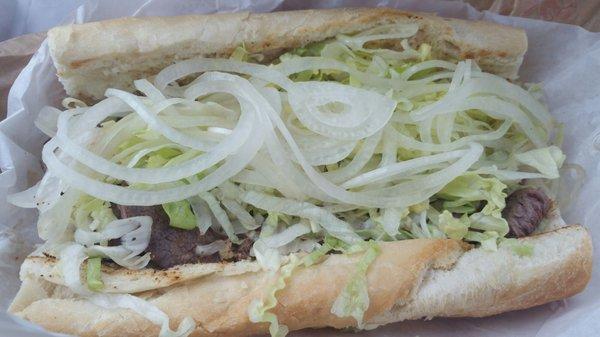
(564, 58)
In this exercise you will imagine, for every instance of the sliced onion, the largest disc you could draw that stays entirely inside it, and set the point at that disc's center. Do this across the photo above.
(220, 215)
(495, 85)
(202, 213)
(306, 98)
(138, 227)
(70, 259)
(134, 234)
(501, 109)
(158, 175)
(121, 256)
(254, 177)
(286, 236)
(359, 161)
(246, 220)
(395, 32)
(389, 154)
(391, 221)
(461, 100)
(156, 123)
(211, 248)
(324, 151)
(49, 191)
(184, 68)
(445, 123)
(53, 223)
(46, 120)
(327, 220)
(296, 65)
(268, 174)
(398, 168)
(25, 199)
(430, 184)
(412, 144)
(130, 196)
(142, 153)
(410, 71)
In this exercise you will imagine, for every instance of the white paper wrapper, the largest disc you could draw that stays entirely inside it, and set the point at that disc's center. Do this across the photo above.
(566, 59)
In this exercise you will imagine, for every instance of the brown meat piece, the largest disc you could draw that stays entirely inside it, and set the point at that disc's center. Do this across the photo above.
(525, 209)
(168, 246)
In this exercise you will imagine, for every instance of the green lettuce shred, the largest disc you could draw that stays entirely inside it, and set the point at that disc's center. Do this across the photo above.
(463, 195)
(487, 239)
(353, 301)
(546, 160)
(454, 228)
(241, 54)
(180, 214)
(94, 274)
(94, 213)
(269, 225)
(472, 187)
(160, 157)
(259, 310)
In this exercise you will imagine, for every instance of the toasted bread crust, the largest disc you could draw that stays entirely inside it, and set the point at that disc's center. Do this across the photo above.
(94, 56)
(411, 279)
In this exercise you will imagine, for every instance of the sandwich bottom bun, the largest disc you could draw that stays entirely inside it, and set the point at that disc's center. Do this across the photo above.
(411, 279)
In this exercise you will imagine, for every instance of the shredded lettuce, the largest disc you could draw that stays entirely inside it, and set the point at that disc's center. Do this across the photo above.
(270, 224)
(454, 228)
(489, 222)
(472, 187)
(546, 160)
(258, 311)
(267, 257)
(316, 255)
(92, 213)
(390, 220)
(241, 54)
(180, 214)
(311, 49)
(160, 157)
(487, 239)
(353, 301)
(94, 274)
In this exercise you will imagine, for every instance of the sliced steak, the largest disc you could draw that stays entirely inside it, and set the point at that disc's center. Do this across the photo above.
(525, 209)
(168, 246)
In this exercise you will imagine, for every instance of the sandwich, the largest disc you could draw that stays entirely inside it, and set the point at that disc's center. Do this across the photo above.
(241, 174)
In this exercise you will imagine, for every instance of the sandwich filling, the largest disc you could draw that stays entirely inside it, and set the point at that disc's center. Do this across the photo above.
(331, 147)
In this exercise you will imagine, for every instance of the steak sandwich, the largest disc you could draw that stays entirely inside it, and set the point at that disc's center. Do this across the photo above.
(241, 174)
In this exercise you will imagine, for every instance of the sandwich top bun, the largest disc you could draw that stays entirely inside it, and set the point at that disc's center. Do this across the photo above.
(92, 57)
